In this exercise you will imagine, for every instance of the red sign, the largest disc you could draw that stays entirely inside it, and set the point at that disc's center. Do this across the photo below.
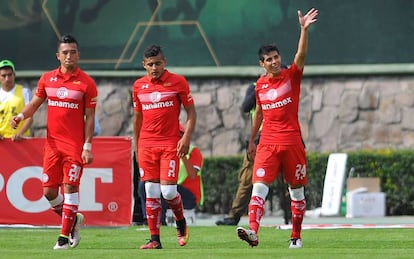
(105, 189)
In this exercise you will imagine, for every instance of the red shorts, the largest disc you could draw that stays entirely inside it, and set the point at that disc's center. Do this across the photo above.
(271, 160)
(158, 163)
(60, 167)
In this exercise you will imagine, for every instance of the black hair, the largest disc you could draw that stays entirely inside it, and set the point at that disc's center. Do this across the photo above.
(152, 51)
(265, 49)
(67, 39)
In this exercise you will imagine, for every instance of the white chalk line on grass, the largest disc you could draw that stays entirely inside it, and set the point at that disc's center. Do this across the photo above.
(345, 226)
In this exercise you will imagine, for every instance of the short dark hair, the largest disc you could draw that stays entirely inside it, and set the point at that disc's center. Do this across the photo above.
(152, 51)
(67, 39)
(265, 49)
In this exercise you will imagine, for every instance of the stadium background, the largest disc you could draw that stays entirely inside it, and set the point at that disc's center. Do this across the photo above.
(358, 83)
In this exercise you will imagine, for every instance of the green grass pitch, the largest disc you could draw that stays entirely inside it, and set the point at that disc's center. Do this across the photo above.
(210, 242)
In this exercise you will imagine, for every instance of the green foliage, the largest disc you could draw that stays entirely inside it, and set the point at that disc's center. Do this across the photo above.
(394, 168)
(220, 179)
(317, 164)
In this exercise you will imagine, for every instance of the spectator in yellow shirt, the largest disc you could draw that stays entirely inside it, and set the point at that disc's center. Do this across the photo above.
(13, 97)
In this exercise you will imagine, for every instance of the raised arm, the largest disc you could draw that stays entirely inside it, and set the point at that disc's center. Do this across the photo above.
(305, 22)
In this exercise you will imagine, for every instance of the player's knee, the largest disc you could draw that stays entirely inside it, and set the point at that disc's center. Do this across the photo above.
(297, 194)
(169, 192)
(152, 190)
(56, 200)
(51, 193)
(261, 190)
(72, 198)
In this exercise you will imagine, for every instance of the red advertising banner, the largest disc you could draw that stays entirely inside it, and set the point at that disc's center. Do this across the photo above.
(105, 189)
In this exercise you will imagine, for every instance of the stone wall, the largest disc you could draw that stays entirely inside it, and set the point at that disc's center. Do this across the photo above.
(336, 113)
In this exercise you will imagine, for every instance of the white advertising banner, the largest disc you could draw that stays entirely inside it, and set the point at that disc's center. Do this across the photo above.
(334, 184)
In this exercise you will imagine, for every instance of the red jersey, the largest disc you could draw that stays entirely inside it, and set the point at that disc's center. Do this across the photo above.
(279, 100)
(160, 103)
(67, 97)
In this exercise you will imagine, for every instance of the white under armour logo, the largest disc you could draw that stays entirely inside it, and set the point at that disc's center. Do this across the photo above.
(53, 79)
(145, 86)
(264, 86)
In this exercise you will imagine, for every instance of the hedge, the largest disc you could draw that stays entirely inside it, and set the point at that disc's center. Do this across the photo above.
(394, 168)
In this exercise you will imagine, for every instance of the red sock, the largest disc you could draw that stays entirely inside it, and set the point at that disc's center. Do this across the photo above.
(58, 209)
(256, 212)
(298, 211)
(176, 206)
(153, 209)
(68, 218)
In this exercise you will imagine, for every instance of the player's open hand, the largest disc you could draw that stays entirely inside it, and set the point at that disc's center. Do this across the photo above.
(308, 19)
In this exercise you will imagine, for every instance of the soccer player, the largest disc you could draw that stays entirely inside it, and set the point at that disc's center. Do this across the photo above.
(157, 99)
(189, 184)
(71, 100)
(13, 97)
(280, 147)
(244, 189)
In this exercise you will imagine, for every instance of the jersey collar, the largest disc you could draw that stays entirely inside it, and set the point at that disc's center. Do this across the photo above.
(59, 73)
(162, 79)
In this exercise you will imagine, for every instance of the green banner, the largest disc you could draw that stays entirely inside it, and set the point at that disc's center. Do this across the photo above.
(113, 33)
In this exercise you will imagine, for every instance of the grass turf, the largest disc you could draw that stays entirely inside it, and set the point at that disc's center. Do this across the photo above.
(210, 242)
